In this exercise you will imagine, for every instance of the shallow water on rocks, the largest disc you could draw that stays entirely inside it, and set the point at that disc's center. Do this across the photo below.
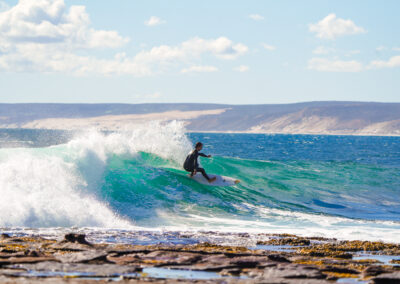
(282, 248)
(384, 259)
(153, 272)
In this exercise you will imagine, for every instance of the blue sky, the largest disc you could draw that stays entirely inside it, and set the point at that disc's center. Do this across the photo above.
(239, 52)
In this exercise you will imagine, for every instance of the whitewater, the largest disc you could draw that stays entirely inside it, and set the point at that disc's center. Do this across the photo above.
(310, 185)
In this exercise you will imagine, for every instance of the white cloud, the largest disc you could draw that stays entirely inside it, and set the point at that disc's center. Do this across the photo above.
(43, 58)
(242, 68)
(331, 27)
(46, 36)
(396, 48)
(326, 65)
(323, 50)
(394, 61)
(199, 68)
(49, 21)
(256, 17)
(221, 47)
(3, 6)
(154, 21)
(380, 48)
(268, 46)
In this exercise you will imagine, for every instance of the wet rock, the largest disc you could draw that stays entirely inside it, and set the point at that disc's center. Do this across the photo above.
(318, 251)
(248, 262)
(278, 258)
(292, 271)
(387, 278)
(15, 254)
(33, 253)
(76, 238)
(22, 256)
(214, 263)
(70, 247)
(296, 241)
(162, 258)
(231, 272)
(342, 248)
(15, 240)
(395, 261)
(105, 270)
(4, 236)
(12, 247)
(122, 260)
(16, 260)
(373, 271)
(216, 249)
(73, 242)
(342, 270)
(82, 257)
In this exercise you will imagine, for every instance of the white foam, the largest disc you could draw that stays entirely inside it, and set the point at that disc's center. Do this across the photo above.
(59, 186)
(323, 226)
(46, 191)
(166, 140)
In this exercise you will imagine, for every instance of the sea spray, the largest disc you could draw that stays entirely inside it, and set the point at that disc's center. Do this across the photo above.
(45, 191)
(61, 185)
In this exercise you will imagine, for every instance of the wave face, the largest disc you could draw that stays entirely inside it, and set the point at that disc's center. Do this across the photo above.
(340, 186)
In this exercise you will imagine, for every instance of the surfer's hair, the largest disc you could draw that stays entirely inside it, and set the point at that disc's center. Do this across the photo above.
(198, 144)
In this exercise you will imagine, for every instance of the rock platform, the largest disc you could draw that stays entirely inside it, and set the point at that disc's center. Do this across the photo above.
(34, 259)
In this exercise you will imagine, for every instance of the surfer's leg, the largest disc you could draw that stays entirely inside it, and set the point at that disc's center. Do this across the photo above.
(203, 172)
(190, 171)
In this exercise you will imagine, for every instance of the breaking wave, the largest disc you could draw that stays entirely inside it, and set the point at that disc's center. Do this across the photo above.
(132, 179)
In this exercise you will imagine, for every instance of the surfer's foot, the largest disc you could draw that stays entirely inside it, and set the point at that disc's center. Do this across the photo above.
(212, 179)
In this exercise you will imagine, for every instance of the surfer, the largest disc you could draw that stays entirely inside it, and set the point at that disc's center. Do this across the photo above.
(192, 165)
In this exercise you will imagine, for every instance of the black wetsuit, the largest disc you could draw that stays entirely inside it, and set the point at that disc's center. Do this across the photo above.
(192, 164)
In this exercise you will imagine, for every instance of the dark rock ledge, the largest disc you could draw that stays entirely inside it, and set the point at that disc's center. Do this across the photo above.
(311, 260)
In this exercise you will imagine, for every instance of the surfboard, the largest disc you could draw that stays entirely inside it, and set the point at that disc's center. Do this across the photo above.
(220, 181)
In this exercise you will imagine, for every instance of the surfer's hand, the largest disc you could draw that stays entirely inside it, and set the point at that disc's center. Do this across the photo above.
(194, 172)
(209, 156)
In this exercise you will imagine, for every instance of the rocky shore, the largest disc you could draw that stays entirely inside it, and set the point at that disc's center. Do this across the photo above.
(275, 259)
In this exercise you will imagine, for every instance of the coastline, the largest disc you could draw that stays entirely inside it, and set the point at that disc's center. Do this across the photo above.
(313, 118)
(295, 133)
(2, 127)
(284, 258)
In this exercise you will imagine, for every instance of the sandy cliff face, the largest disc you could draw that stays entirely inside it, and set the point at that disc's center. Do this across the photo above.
(115, 122)
(352, 118)
(297, 123)
(382, 128)
(303, 123)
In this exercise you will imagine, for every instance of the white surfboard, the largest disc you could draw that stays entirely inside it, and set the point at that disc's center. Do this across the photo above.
(220, 181)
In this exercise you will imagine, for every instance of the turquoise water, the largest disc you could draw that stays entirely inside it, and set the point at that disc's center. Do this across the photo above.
(333, 186)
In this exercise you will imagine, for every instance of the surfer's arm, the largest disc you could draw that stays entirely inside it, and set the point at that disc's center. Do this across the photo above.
(204, 155)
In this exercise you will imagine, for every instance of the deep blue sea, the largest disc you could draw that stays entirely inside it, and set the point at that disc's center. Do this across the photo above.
(313, 185)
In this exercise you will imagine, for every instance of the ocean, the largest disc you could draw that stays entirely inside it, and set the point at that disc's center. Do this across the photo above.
(346, 187)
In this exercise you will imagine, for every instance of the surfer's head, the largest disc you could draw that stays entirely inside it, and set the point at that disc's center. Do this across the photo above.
(199, 146)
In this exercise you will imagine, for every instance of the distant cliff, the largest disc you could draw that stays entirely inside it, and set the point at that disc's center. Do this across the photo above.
(355, 118)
